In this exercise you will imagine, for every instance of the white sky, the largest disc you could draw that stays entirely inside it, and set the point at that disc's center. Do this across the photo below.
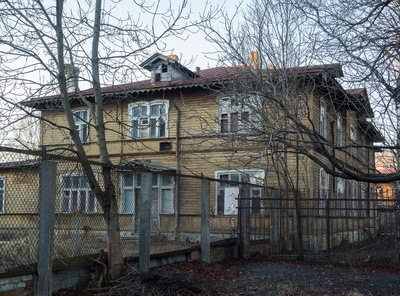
(196, 46)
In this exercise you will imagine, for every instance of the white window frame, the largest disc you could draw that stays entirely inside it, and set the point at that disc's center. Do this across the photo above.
(353, 140)
(82, 124)
(159, 187)
(228, 194)
(339, 130)
(323, 117)
(228, 109)
(323, 191)
(2, 194)
(144, 123)
(67, 195)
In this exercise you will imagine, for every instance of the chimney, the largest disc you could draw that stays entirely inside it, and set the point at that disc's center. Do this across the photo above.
(71, 77)
(173, 57)
(254, 60)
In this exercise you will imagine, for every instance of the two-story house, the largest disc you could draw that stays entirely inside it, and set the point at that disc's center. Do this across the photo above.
(189, 122)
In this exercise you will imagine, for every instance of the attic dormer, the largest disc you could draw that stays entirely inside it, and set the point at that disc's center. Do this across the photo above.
(166, 68)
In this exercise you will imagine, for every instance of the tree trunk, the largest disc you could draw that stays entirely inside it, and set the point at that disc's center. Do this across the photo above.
(114, 247)
(111, 217)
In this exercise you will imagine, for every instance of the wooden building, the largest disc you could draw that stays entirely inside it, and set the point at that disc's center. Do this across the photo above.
(192, 123)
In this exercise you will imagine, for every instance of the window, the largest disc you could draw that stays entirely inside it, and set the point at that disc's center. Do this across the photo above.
(81, 123)
(162, 199)
(339, 127)
(76, 195)
(2, 194)
(353, 198)
(228, 194)
(322, 123)
(148, 119)
(233, 116)
(161, 73)
(323, 191)
(340, 195)
(353, 140)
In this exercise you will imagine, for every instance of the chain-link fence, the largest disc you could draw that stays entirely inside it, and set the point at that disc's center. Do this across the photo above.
(19, 211)
(288, 224)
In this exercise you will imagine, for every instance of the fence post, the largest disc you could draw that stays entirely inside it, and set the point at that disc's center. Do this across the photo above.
(144, 234)
(205, 221)
(46, 227)
(244, 234)
(275, 217)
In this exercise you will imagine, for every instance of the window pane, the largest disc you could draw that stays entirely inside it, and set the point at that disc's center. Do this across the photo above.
(166, 181)
(167, 201)
(127, 202)
(223, 177)
(224, 123)
(234, 122)
(155, 110)
(74, 201)
(135, 133)
(139, 180)
(153, 128)
(128, 180)
(220, 201)
(235, 177)
(65, 202)
(154, 180)
(161, 127)
(82, 201)
(91, 202)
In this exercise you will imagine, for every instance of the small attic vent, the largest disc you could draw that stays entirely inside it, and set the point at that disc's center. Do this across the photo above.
(165, 146)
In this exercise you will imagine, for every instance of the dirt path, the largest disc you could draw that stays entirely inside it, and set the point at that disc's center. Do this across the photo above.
(253, 277)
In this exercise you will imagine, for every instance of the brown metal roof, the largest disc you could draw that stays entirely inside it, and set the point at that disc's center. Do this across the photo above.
(205, 78)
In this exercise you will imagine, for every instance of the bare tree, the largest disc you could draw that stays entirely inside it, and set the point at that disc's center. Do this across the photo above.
(40, 42)
(364, 37)
(287, 37)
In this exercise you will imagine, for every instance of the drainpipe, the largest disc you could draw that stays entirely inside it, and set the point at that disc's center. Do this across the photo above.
(177, 179)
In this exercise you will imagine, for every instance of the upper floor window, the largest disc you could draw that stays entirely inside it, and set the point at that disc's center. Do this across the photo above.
(228, 193)
(339, 127)
(76, 195)
(148, 119)
(353, 140)
(322, 122)
(2, 194)
(233, 115)
(81, 123)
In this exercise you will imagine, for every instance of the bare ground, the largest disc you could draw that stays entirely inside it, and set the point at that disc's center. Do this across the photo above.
(257, 276)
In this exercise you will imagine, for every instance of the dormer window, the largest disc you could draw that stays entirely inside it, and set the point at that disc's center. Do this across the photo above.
(161, 73)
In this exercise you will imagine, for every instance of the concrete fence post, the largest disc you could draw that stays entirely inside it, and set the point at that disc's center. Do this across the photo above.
(205, 221)
(244, 235)
(46, 227)
(144, 234)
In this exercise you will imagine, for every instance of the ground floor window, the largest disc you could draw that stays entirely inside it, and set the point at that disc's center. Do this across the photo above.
(228, 193)
(162, 193)
(76, 195)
